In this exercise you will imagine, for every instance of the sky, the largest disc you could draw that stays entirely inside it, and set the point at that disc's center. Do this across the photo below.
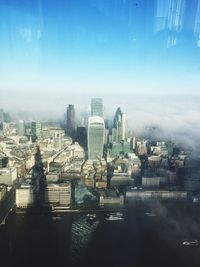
(53, 53)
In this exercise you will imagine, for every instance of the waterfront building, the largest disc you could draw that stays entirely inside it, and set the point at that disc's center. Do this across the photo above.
(25, 195)
(96, 133)
(58, 194)
(154, 194)
(70, 127)
(97, 107)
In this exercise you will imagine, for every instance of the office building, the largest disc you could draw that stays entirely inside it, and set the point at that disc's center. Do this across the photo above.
(58, 194)
(97, 107)
(70, 127)
(119, 126)
(25, 195)
(96, 133)
(1, 115)
(36, 130)
(81, 136)
(21, 128)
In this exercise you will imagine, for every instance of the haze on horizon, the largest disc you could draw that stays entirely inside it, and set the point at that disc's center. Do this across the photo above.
(143, 56)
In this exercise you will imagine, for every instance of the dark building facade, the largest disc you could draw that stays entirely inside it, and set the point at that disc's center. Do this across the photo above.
(81, 136)
(70, 121)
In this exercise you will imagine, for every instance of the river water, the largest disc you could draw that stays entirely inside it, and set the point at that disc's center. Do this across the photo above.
(151, 234)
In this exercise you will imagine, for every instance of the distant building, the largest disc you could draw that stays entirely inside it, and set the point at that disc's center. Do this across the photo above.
(97, 107)
(1, 115)
(141, 148)
(96, 133)
(70, 127)
(119, 126)
(21, 128)
(154, 194)
(36, 130)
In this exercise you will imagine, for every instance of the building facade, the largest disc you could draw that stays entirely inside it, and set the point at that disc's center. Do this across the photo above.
(97, 107)
(36, 130)
(119, 126)
(70, 121)
(58, 194)
(96, 133)
(21, 128)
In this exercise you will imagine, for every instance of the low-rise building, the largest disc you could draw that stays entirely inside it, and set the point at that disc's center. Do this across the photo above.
(25, 195)
(151, 181)
(8, 175)
(146, 195)
(109, 197)
(58, 194)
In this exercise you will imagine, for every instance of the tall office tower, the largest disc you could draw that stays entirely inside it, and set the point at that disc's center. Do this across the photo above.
(21, 128)
(70, 128)
(1, 115)
(97, 107)
(119, 126)
(81, 136)
(36, 130)
(96, 133)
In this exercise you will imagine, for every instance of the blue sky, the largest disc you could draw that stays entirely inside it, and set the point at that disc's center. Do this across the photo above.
(77, 49)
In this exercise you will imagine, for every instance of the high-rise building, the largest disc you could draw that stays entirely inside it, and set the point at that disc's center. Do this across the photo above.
(119, 126)
(81, 136)
(21, 128)
(96, 133)
(36, 130)
(1, 115)
(97, 107)
(70, 127)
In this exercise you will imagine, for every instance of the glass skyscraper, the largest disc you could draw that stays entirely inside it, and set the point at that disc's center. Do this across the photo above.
(70, 129)
(96, 133)
(97, 107)
(36, 129)
(21, 128)
(119, 125)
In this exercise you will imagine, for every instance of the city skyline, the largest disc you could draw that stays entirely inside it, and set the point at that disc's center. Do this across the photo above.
(51, 52)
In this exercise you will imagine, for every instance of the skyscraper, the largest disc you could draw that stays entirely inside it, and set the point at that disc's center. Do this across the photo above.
(119, 126)
(1, 115)
(96, 133)
(70, 129)
(36, 130)
(81, 136)
(97, 107)
(21, 128)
